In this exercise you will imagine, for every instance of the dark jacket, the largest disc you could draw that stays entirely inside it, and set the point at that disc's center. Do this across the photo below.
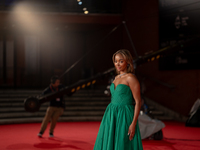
(57, 102)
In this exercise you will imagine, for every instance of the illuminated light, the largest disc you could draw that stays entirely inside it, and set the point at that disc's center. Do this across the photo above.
(78, 88)
(94, 81)
(88, 84)
(26, 17)
(106, 92)
(73, 90)
(83, 86)
(157, 57)
(86, 12)
(78, 0)
(153, 58)
(141, 112)
(80, 3)
(84, 9)
(23, 14)
(148, 60)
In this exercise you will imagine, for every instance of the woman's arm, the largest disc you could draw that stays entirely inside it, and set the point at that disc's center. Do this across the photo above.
(135, 88)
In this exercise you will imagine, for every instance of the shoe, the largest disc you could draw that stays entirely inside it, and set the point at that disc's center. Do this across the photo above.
(40, 134)
(51, 135)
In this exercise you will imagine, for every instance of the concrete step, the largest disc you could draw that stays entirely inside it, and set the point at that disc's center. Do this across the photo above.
(81, 118)
(164, 118)
(16, 97)
(20, 91)
(24, 96)
(43, 108)
(163, 113)
(151, 108)
(68, 103)
(156, 113)
(38, 92)
(67, 99)
(42, 114)
(39, 119)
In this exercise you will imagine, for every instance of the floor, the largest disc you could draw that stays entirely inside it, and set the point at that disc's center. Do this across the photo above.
(82, 135)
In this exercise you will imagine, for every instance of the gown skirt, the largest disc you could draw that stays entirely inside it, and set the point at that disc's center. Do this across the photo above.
(113, 130)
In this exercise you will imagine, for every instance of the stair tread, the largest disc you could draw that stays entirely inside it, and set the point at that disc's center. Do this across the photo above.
(39, 119)
(86, 104)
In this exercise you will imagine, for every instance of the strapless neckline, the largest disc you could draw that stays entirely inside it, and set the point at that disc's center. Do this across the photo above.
(119, 84)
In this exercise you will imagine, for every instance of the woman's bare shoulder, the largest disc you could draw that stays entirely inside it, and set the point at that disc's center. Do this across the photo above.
(131, 78)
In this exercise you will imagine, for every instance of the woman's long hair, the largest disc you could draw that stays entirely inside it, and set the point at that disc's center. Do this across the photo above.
(128, 58)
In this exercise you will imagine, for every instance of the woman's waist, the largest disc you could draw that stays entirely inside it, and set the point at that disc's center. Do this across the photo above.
(122, 102)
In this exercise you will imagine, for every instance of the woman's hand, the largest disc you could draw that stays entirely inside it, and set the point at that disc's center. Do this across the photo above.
(131, 131)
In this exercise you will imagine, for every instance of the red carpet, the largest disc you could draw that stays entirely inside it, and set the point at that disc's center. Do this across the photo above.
(176, 137)
(82, 135)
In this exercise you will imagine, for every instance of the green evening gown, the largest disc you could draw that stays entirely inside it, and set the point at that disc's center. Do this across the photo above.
(113, 131)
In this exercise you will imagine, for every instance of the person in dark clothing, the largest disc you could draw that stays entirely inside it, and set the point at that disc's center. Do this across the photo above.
(55, 109)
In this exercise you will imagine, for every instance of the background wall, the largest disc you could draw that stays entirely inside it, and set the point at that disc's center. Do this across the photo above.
(142, 19)
(78, 34)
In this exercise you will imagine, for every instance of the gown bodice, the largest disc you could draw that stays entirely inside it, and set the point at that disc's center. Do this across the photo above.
(121, 94)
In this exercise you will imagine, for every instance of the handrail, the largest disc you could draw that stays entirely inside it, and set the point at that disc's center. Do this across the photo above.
(157, 81)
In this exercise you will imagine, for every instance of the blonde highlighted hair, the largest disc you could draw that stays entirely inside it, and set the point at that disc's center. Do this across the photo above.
(127, 57)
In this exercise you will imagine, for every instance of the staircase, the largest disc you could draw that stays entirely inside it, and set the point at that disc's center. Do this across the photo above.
(84, 105)
(157, 111)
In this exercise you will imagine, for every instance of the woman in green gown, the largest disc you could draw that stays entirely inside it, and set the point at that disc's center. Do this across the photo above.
(119, 128)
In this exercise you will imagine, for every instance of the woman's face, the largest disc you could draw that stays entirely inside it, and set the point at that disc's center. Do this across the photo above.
(120, 63)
